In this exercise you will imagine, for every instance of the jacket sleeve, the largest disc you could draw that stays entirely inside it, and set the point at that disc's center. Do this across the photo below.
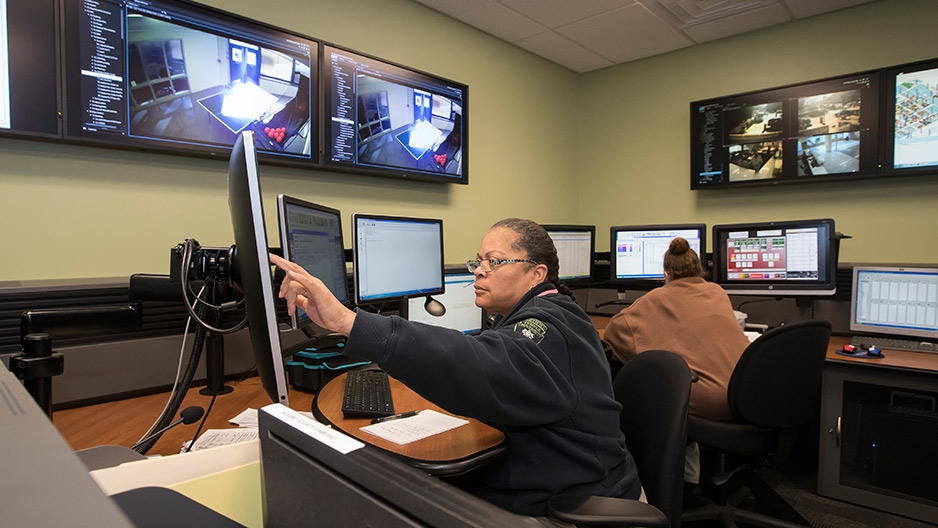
(618, 335)
(504, 376)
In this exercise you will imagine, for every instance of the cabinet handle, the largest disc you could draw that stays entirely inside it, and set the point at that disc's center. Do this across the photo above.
(837, 436)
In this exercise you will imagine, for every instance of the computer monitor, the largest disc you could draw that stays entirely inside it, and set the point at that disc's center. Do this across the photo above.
(782, 259)
(396, 257)
(911, 124)
(637, 251)
(895, 300)
(251, 265)
(459, 299)
(311, 236)
(575, 246)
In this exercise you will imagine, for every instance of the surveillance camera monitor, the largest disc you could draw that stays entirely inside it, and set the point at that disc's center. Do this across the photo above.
(396, 257)
(575, 246)
(311, 236)
(637, 251)
(459, 299)
(251, 270)
(912, 118)
(784, 259)
(179, 77)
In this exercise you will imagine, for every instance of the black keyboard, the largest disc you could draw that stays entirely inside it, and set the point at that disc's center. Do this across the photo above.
(367, 394)
(895, 344)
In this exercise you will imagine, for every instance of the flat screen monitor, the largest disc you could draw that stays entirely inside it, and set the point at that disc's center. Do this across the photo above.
(251, 265)
(389, 120)
(895, 300)
(459, 298)
(637, 251)
(29, 95)
(791, 258)
(396, 257)
(575, 246)
(311, 236)
(180, 77)
(816, 131)
(912, 118)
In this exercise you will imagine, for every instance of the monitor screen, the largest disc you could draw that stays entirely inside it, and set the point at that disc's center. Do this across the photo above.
(789, 258)
(176, 76)
(637, 251)
(251, 266)
(459, 299)
(311, 236)
(912, 118)
(894, 300)
(396, 257)
(29, 100)
(821, 130)
(575, 246)
(388, 120)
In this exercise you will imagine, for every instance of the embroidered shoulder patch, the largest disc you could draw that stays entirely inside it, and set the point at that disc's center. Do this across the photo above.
(532, 329)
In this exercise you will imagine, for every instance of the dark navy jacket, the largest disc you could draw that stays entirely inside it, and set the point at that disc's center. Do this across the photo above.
(540, 375)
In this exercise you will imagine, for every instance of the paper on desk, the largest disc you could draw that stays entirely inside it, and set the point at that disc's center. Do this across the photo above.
(248, 417)
(220, 437)
(406, 430)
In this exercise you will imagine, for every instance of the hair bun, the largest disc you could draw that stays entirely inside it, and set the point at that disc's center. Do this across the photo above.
(679, 246)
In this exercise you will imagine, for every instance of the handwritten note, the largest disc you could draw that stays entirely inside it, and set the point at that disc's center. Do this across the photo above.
(406, 430)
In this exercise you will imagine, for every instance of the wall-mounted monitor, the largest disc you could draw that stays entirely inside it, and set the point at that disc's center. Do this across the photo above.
(912, 118)
(29, 94)
(575, 247)
(636, 252)
(782, 259)
(895, 300)
(311, 236)
(179, 77)
(816, 131)
(459, 299)
(396, 257)
(389, 120)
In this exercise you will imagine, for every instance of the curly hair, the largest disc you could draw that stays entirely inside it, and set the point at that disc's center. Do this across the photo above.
(534, 240)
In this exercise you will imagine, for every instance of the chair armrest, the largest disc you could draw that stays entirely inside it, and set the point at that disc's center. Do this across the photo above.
(579, 509)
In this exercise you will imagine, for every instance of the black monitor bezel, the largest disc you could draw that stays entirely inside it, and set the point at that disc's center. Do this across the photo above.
(72, 93)
(356, 260)
(299, 319)
(647, 283)
(889, 133)
(577, 282)
(388, 171)
(251, 266)
(822, 287)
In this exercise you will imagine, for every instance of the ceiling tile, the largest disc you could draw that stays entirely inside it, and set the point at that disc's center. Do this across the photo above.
(807, 8)
(626, 34)
(562, 51)
(737, 24)
(502, 22)
(556, 13)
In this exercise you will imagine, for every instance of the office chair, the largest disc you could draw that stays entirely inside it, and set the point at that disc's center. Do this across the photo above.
(773, 390)
(654, 390)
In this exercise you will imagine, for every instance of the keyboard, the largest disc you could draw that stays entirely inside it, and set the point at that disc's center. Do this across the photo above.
(895, 344)
(367, 394)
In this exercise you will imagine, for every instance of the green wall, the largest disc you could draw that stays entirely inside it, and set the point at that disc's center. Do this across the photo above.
(608, 147)
(634, 122)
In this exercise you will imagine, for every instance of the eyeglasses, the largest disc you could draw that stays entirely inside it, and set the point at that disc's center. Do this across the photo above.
(493, 263)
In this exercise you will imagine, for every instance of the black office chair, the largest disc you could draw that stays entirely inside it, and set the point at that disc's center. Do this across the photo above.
(654, 390)
(774, 389)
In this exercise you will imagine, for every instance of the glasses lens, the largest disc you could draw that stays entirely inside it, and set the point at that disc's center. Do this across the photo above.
(472, 265)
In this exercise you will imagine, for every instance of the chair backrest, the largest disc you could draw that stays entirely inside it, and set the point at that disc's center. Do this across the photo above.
(778, 378)
(654, 390)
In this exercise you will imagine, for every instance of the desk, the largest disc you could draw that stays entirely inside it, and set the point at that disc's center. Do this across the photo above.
(878, 429)
(449, 453)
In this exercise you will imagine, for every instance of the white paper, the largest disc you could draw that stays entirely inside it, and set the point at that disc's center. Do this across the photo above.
(221, 437)
(406, 430)
(335, 439)
(248, 417)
